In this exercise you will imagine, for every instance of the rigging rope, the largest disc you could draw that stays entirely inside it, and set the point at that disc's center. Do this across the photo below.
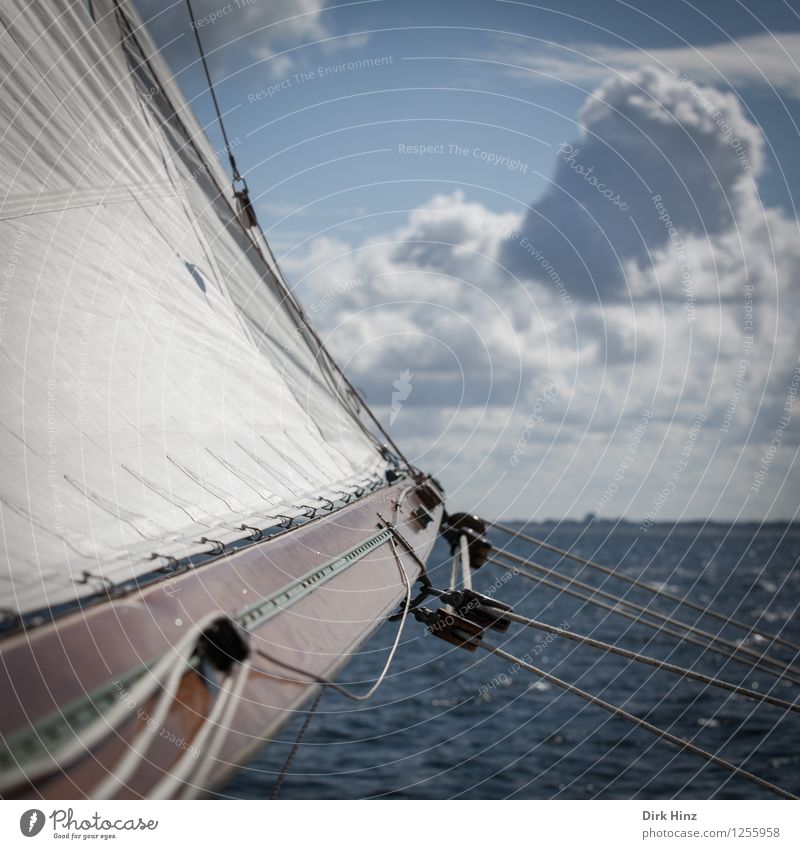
(137, 750)
(641, 723)
(728, 620)
(132, 759)
(662, 629)
(236, 175)
(217, 724)
(760, 660)
(195, 784)
(312, 710)
(356, 697)
(287, 765)
(179, 772)
(652, 661)
(453, 571)
(327, 362)
(158, 677)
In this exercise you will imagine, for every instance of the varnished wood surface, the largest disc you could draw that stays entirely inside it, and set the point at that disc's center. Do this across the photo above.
(48, 667)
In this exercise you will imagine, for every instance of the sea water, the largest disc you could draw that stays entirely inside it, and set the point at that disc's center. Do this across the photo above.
(450, 724)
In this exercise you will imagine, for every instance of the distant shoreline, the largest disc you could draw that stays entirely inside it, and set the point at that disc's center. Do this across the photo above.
(663, 523)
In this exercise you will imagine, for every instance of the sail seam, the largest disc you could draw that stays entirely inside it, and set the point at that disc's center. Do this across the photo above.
(35, 203)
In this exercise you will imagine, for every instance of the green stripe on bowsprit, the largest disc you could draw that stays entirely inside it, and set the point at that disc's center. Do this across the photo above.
(60, 727)
(264, 610)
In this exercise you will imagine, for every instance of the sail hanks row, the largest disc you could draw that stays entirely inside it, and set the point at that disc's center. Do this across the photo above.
(156, 383)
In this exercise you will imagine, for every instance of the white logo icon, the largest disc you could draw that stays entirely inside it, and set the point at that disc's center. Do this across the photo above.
(402, 388)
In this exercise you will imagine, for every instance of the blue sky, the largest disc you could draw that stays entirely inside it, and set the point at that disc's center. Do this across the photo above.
(567, 352)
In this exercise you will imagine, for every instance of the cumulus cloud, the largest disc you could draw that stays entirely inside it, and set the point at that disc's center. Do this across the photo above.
(631, 314)
(660, 162)
(431, 290)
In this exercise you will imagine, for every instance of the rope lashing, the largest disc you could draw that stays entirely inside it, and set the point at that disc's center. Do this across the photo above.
(680, 742)
(356, 697)
(728, 620)
(639, 620)
(652, 661)
(196, 783)
(760, 660)
(460, 566)
(221, 643)
(188, 780)
(137, 750)
(159, 677)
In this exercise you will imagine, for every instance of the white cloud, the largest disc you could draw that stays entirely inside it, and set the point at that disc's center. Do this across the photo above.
(662, 167)
(243, 33)
(451, 296)
(765, 60)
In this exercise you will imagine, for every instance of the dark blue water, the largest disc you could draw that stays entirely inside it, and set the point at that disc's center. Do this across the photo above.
(450, 724)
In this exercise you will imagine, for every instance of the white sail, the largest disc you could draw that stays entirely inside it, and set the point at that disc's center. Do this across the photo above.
(155, 385)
